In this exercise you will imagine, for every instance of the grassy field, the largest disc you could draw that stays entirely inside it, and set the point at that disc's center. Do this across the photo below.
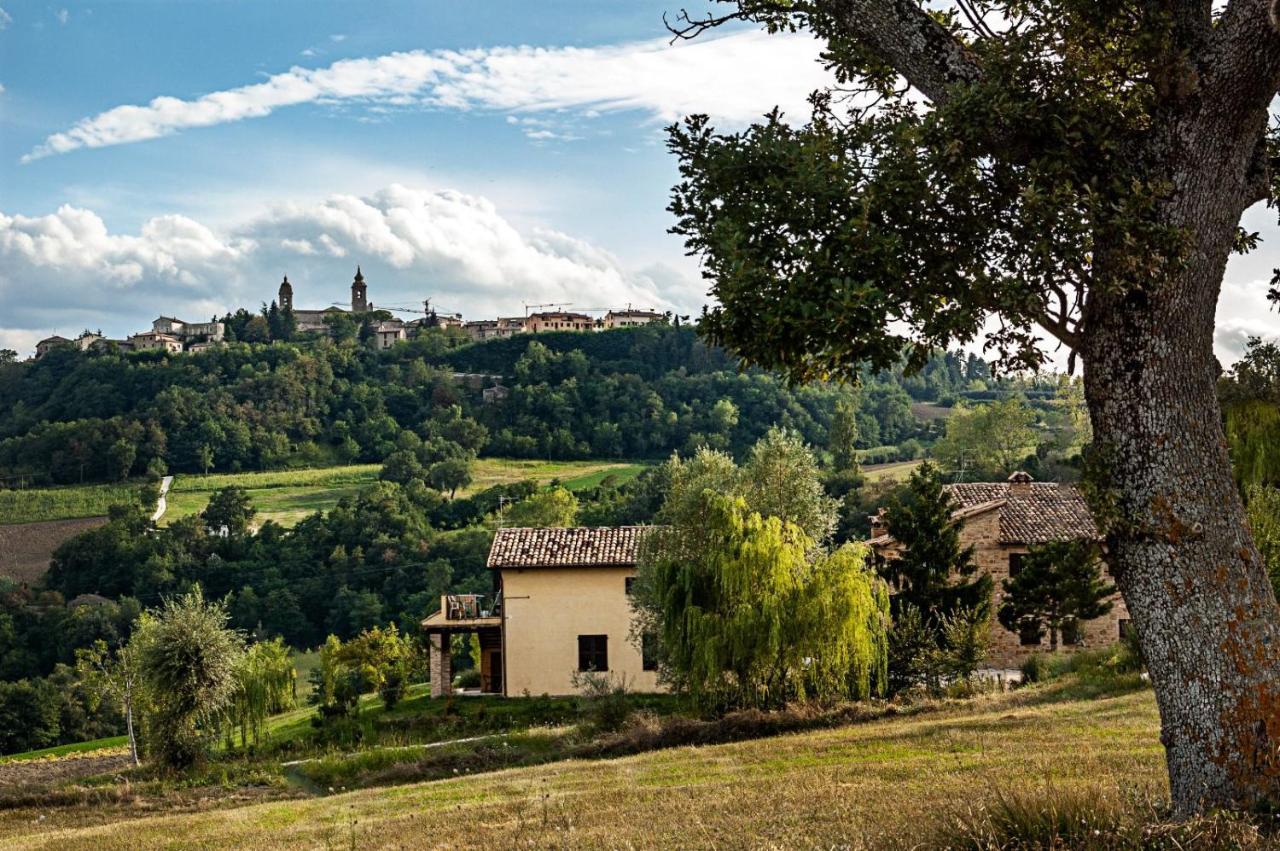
(287, 496)
(886, 783)
(899, 471)
(31, 505)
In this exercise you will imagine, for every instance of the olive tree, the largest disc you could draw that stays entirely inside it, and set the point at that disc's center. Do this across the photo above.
(1020, 171)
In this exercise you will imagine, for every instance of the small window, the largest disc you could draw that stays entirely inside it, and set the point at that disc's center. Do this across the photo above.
(1029, 635)
(593, 652)
(1015, 564)
(649, 652)
(631, 582)
(1071, 633)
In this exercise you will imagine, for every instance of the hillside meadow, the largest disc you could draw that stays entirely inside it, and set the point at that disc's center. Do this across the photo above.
(896, 782)
(287, 496)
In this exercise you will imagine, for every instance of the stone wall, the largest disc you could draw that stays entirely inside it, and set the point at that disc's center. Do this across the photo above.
(1007, 650)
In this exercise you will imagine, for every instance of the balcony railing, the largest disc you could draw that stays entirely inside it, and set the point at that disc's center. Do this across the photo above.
(463, 607)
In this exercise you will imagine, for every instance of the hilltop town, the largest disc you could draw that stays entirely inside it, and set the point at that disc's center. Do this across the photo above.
(171, 334)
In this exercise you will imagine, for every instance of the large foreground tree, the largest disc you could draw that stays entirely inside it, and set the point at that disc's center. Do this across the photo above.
(1017, 168)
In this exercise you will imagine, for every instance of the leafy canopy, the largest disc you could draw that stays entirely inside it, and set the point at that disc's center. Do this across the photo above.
(890, 223)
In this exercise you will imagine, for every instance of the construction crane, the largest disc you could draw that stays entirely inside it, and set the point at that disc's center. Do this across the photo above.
(558, 305)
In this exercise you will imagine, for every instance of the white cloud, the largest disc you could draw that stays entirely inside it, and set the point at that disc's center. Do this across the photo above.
(5, 19)
(66, 270)
(735, 78)
(338, 37)
(63, 16)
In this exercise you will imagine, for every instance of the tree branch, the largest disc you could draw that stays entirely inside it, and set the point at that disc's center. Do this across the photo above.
(1246, 54)
(907, 38)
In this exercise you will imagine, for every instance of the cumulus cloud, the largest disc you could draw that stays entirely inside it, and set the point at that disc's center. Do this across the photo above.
(66, 270)
(63, 16)
(734, 78)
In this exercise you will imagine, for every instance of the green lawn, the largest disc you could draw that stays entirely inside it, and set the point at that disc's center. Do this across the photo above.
(886, 783)
(32, 505)
(63, 750)
(287, 496)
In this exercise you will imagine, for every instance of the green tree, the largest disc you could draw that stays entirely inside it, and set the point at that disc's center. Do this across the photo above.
(753, 620)
(1060, 585)
(1044, 164)
(553, 507)
(187, 660)
(231, 509)
(121, 456)
(991, 440)
(449, 475)
(843, 441)
(781, 479)
(932, 572)
(115, 675)
(265, 684)
(204, 457)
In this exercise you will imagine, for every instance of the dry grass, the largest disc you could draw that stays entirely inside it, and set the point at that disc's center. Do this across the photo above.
(887, 783)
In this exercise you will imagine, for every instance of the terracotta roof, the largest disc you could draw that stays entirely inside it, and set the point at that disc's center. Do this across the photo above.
(1031, 512)
(605, 546)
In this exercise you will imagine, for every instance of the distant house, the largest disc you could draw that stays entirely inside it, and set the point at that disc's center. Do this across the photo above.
(495, 394)
(560, 605)
(492, 329)
(559, 321)
(389, 333)
(154, 341)
(631, 318)
(1001, 520)
(211, 332)
(48, 344)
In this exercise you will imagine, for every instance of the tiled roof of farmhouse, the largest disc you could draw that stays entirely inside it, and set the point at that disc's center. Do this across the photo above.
(1030, 512)
(605, 546)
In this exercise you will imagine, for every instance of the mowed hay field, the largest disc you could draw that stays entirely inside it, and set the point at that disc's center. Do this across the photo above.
(882, 784)
(287, 496)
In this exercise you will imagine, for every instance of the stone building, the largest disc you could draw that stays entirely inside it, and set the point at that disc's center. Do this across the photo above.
(1001, 520)
(560, 606)
(388, 333)
(631, 318)
(152, 341)
(313, 320)
(48, 344)
(559, 321)
(493, 329)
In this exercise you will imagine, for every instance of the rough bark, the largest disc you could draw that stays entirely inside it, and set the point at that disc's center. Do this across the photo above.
(1177, 536)
(1178, 540)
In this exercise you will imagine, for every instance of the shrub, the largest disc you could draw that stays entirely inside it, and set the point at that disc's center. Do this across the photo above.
(1034, 669)
(469, 678)
(605, 704)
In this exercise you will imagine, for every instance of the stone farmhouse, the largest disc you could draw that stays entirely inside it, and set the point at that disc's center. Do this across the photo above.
(1001, 520)
(560, 606)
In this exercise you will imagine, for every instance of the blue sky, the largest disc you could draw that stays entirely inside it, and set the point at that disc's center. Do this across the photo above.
(179, 157)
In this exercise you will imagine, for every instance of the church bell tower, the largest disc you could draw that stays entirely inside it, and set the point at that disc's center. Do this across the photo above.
(359, 294)
(285, 301)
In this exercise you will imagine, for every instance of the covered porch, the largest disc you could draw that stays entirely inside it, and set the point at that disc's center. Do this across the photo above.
(466, 614)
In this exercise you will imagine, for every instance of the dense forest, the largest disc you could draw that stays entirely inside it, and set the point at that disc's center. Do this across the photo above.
(74, 416)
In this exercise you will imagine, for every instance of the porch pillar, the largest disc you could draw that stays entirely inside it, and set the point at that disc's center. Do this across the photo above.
(441, 665)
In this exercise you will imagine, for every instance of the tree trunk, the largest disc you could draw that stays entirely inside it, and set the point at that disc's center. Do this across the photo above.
(128, 720)
(1175, 526)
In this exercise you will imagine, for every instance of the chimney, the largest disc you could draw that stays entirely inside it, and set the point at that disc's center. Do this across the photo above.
(1019, 483)
(878, 525)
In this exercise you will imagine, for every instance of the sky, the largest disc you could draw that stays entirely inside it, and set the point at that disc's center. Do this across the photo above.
(179, 157)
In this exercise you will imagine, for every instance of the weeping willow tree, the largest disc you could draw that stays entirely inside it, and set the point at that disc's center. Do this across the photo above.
(265, 684)
(1253, 432)
(756, 615)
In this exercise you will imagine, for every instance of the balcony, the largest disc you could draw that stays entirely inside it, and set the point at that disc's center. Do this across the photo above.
(466, 611)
